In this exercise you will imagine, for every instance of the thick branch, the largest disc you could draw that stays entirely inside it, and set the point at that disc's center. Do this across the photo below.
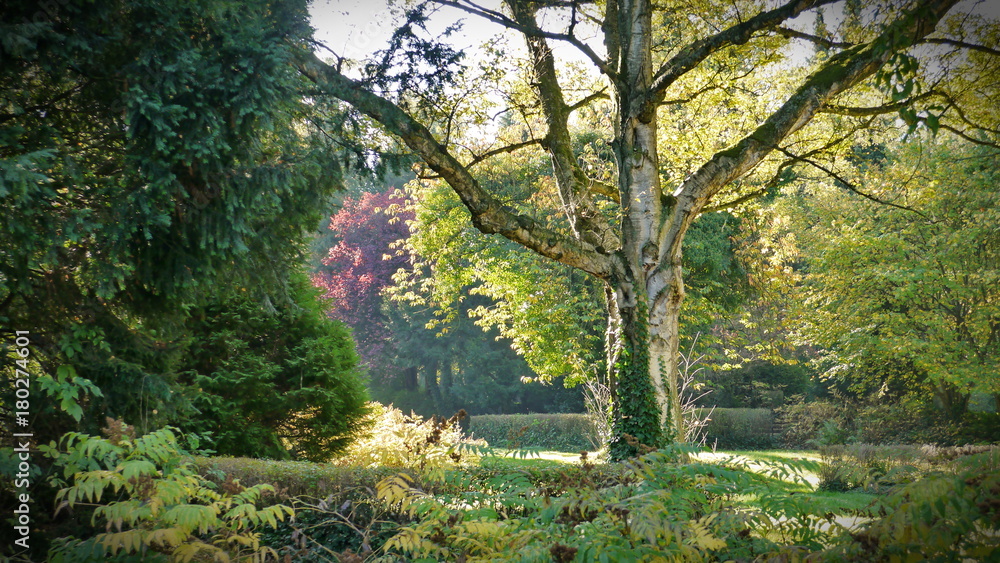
(499, 18)
(488, 214)
(689, 57)
(585, 219)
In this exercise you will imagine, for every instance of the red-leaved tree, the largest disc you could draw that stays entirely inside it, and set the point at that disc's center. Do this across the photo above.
(360, 265)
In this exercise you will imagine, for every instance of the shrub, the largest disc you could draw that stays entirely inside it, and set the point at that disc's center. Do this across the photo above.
(562, 432)
(878, 467)
(866, 466)
(399, 440)
(906, 422)
(162, 508)
(743, 429)
(295, 393)
(661, 510)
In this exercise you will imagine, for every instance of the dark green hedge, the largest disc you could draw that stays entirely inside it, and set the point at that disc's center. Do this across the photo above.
(562, 432)
(740, 429)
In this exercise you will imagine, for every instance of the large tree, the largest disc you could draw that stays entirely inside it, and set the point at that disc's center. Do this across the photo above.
(150, 152)
(664, 67)
(916, 286)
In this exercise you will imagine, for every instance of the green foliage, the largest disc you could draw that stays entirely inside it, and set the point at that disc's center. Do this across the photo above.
(759, 384)
(863, 466)
(661, 510)
(416, 358)
(912, 286)
(802, 422)
(151, 151)
(552, 315)
(562, 432)
(942, 517)
(910, 420)
(739, 429)
(69, 389)
(278, 384)
(154, 504)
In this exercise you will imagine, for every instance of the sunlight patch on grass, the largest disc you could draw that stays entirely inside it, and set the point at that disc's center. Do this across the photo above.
(539, 457)
(757, 460)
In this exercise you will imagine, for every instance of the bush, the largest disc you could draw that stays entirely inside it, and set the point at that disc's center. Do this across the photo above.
(866, 466)
(659, 509)
(943, 517)
(805, 425)
(877, 467)
(561, 432)
(334, 505)
(398, 440)
(740, 429)
(155, 504)
(296, 393)
(906, 422)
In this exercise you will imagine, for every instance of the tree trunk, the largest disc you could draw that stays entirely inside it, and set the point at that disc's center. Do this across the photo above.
(642, 343)
(410, 378)
(951, 400)
(648, 289)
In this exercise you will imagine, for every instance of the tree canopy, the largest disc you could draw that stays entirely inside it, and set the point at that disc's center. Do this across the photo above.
(915, 283)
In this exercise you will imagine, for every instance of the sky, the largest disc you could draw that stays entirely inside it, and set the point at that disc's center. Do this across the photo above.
(354, 28)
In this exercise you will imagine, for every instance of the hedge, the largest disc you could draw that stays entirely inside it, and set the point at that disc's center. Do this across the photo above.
(294, 478)
(739, 429)
(742, 429)
(562, 432)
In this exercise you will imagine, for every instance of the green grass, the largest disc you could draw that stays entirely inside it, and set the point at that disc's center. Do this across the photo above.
(513, 460)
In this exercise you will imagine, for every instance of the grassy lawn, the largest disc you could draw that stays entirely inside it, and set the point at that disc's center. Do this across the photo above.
(535, 457)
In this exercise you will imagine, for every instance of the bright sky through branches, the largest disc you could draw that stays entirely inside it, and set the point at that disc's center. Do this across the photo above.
(356, 28)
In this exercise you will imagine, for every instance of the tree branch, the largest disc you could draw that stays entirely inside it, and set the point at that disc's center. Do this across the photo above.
(848, 185)
(770, 184)
(825, 43)
(962, 45)
(499, 18)
(586, 221)
(689, 57)
(598, 95)
(489, 215)
(853, 111)
(506, 149)
(841, 72)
